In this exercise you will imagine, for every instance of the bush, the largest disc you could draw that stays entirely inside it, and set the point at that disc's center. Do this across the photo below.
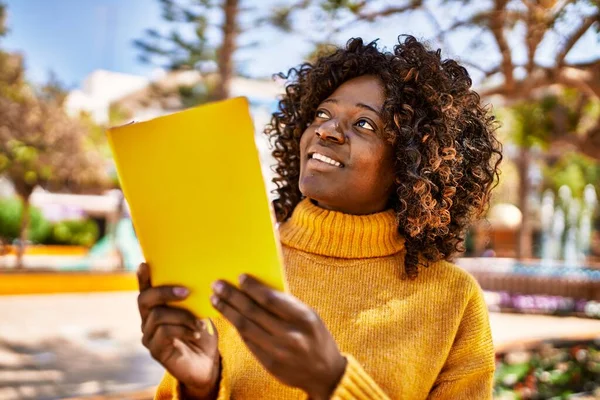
(551, 370)
(10, 221)
(75, 232)
(41, 231)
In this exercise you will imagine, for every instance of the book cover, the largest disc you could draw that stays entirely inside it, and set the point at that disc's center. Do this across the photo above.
(198, 200)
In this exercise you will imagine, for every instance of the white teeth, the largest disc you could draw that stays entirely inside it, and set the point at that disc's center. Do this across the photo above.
(326, 159)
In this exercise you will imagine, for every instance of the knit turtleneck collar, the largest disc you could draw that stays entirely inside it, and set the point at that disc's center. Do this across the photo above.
(334, 234)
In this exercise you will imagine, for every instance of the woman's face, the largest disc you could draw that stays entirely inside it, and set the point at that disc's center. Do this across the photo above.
(345, 164)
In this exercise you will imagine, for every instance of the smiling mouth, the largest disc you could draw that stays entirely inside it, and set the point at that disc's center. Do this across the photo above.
(324, 159)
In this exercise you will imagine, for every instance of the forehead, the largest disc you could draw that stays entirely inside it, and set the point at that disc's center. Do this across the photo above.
(365, 89)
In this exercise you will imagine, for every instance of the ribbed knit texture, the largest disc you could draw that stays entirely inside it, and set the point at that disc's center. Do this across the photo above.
(404, 339)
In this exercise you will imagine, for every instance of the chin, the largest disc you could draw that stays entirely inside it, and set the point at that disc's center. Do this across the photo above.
(311, 188)
(321, 196)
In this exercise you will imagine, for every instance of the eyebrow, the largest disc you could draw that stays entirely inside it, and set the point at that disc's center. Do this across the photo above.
(361, 105)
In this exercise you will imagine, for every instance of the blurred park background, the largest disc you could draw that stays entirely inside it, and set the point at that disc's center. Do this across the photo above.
(69, 69)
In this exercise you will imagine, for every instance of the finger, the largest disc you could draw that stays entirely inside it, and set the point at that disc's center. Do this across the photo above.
(209, 337)
(149, 339)
(162, 315)
(161, 342)
(249, 308)
(143, 276)
(185, 347)
(248, 330)
(283, 305)
(159, 296)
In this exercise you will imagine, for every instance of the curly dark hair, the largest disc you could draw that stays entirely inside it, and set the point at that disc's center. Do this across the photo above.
(447, 154)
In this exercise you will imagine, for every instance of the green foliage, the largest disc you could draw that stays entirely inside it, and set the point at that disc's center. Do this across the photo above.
(320, 50)
(508, 372)
(2, 19)
(12, 76)
(553, 117)
(75, 233)
(39, 143)
(575, 171)
(117, 115)
(550, 371)
(173, 50)
(11, 211)
(192, 95)
(54, 90)
(96, 139)
(281, 17)
(331, 6)
(180, 52)
(509, 180)
(531, 124)
(41, 231)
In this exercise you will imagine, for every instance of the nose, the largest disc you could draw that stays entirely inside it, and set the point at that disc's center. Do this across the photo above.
(330, 131)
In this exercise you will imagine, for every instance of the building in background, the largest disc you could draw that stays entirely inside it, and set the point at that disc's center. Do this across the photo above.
(135, 96)
(99, 90)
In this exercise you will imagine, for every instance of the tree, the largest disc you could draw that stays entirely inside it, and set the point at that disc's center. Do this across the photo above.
(2, 19)
(53, 90)
(498, 32)
(556, 121)
(39, 144)
(177, 52)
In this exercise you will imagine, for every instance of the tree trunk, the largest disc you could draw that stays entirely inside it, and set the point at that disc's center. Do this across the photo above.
(590, 144)
(524, 242)
(24, 230)
(228, 47)
(113, 232)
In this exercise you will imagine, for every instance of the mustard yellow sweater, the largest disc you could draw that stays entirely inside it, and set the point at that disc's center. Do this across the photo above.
(427, 338)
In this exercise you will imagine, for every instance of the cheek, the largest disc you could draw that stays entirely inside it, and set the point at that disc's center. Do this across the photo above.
(304, 141)
(375, 166)
(377, 159)
(388, 166)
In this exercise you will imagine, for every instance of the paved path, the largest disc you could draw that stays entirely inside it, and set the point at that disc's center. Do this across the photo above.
(78, 345)
(57, 346)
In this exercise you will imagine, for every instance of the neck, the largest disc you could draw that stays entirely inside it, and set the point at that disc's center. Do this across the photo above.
(352, 209)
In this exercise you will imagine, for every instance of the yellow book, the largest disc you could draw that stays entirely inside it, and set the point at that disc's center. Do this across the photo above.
(198, 200)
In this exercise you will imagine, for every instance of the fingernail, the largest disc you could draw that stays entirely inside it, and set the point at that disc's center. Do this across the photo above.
(218, 287)
(209, 327)
(214, 300)
(242, 278)
(180, 291)
(200, 324)
(197, 335)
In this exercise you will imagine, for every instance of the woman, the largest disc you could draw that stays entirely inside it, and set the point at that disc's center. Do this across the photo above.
(383, 160)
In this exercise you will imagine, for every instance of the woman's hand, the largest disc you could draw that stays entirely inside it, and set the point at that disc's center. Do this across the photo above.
(285, 335)
(177, 339)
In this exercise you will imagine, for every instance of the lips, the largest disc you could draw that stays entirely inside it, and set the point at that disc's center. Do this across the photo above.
(325, 159)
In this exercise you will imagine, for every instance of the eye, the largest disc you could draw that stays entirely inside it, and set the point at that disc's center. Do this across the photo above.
(365, 124)
(322, 114)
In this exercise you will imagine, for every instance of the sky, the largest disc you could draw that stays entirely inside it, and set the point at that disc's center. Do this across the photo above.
(75, 37)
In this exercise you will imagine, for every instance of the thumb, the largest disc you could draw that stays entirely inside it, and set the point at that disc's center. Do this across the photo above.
(143, 275)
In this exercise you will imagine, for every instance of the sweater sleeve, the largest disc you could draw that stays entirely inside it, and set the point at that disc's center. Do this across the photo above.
(468, 373)
(356, 384)
(170, 388)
